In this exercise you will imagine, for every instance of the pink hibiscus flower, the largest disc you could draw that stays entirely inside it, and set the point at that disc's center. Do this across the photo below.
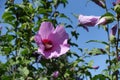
(52, 42)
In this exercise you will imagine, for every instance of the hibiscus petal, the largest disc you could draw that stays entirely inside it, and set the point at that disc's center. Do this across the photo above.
(56, 53)
(52, 53)
(64, 48)
(40, 50)
(49, 54)
(38, 39)
(59, 35)
(57, 50)
(45, 29)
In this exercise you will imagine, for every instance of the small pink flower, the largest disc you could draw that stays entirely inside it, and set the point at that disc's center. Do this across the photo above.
(114, 30)
(95, 67)
(51, 42)
(55, 74)
(86, 21)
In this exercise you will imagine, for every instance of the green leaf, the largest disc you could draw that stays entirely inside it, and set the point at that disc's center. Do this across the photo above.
(24, 51)
(100, 77)
(91, 63)
(64, 16)
(7, 50)
(108, 14)
(5, 77)
(24, 71)
(73, 53)
(97, 41)
(75, 63)
(96, 51)
(58, 2)
(73, 44)
(43, 11)
(64, 2)
(80, 49)
(69, 26)
(117, 8)
(100, 3)
(8, 16)
(30, 7)
(10, 37)
(75, 15)
(75, 34)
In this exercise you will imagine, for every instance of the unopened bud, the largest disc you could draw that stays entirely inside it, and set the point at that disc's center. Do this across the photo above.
(107, 48)
(117, 8)
(99, 3)
(95, 67)
(112, 39)
(55, 74)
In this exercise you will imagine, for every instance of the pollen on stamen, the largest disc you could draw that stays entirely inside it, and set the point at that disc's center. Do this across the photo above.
(48, 44)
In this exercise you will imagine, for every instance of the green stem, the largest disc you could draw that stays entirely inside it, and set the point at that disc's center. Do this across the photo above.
(117, 43)
(16, 35)
(108, 35)
(117, 46)
(109, 57)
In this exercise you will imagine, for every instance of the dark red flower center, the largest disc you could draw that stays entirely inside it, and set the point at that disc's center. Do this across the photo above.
(48, 44)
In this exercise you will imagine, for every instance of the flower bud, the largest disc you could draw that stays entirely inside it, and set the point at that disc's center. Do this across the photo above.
(107, 48)
(113, 3)
(117, 8)
(112, 39)
(102, 21)
(95, 67)
(87, 21)
(55, 74)
(105, 20)
(99, 3)
(114, 30)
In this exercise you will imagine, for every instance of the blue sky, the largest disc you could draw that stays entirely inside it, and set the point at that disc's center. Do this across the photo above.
(82, 7)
